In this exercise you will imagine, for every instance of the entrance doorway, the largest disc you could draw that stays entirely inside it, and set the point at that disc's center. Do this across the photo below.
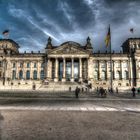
(60, 73)
(76, 71)
(68, 71)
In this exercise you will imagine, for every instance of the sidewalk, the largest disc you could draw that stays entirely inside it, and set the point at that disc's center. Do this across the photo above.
(71, 105)
(64, 95)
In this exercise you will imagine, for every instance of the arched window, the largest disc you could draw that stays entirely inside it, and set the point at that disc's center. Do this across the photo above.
(35, 75)
(20, 74)
(42, 65)
(14, 74)
(42, 74)
(27, 74)
(126, 75)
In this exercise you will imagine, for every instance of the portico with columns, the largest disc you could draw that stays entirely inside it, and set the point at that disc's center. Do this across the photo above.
(66, 68)
(68, 62)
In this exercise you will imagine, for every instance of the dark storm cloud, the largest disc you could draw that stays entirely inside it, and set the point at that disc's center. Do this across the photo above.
(32, 21)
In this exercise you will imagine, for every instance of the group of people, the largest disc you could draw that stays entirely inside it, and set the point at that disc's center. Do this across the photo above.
(102, 92)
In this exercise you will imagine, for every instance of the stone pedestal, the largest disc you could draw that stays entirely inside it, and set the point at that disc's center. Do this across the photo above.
(63, 79)
(55, 79)
(72, 79)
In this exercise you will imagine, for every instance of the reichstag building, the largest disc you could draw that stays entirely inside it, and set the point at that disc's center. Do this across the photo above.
(71, 62)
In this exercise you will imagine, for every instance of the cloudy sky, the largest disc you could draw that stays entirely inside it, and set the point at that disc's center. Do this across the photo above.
(31, 21)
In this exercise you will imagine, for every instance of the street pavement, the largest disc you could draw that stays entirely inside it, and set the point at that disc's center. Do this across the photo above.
(68, 125)
(34, 115)
(68, 102)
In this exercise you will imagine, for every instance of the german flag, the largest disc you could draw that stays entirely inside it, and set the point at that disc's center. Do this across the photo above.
(5, 32)
(131, 30)
(108, 37)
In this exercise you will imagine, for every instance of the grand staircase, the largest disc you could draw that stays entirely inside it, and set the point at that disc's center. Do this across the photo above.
(61, 86)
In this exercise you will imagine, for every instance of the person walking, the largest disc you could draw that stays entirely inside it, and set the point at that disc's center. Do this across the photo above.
(133, 92)
(76, 92)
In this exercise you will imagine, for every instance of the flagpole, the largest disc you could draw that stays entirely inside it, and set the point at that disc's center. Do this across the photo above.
(111, 72)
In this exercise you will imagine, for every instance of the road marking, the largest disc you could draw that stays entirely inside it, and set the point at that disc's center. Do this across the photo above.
(55, 108)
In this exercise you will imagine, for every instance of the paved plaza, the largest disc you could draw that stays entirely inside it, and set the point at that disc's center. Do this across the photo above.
(68, 125)
(36, 115)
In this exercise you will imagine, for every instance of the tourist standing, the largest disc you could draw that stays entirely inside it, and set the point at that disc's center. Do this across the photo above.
(34, 86)
(133, 91)
(76, 92)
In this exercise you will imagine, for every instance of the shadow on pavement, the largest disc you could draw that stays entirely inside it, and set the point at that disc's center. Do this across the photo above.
(1, 121)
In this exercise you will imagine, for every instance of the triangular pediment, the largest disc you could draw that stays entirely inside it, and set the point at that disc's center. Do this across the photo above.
(69, 48)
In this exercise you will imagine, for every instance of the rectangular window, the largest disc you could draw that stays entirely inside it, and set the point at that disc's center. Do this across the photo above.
(103, 75)
(96, 75)
(103, 65)
(109, 64)
(125, 65)
(35, 65)
(117, 65)
(95, 65)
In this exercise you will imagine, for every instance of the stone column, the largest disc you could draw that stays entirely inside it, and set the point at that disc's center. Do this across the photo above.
(45, 69)
(121, 70)
(64, 70)
(56, 70)
(24, 70)
(130, 69)
(137, 71)
(48, 69)
(80, 69)
(31, 70)
(99, 70)
(38, 69)
(106, 69)
(113, 70)
(72, 70)
(17, 71)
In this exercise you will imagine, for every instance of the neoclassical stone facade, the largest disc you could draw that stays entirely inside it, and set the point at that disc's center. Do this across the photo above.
(71, 62)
